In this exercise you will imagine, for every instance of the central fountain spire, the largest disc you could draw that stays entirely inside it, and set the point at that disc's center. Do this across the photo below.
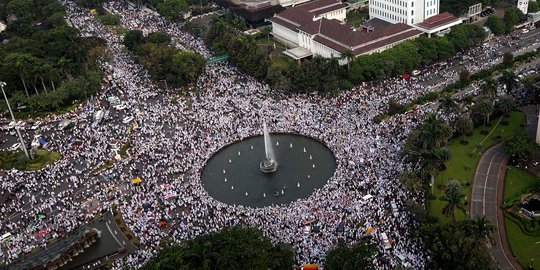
(268, 164)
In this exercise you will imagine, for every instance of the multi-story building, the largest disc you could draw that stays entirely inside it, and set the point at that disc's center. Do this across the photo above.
(403, 11)
(319, 28)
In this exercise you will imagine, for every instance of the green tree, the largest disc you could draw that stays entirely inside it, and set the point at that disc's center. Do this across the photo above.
(496, 25)
(158, 37)
(231, 248)
(533, 7)
(434, 133)
(484, 107)
(347, 55)
(358, 256)
(21, 8)
(133, 38)
(454, 198)
(481, 229)
(464, 125)
(509, 79)
(433, 161)
(511, 18)
(447, 103)
(505, 105)
(508, 59)
(464, 76)
(489, 88)
(453, 247)
(520, 145)
(171, 9)
(189, 66)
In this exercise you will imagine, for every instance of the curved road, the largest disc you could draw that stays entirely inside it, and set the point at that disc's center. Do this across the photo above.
(487, 196)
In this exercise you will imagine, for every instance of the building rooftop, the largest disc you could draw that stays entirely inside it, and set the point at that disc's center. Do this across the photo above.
(438, 20)
(336, 34)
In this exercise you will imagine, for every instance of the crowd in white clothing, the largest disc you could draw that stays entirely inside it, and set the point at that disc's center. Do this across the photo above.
(175, 136)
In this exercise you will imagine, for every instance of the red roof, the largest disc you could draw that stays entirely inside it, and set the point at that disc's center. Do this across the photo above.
(438, 21)
(336, 34)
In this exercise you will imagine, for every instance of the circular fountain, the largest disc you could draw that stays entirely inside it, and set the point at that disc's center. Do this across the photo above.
(272, 169)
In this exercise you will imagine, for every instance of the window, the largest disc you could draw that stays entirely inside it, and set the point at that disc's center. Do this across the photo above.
(412, 4)
(412, 12)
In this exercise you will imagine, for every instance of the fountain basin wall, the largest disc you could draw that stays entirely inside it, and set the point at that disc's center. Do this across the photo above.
(237, 180)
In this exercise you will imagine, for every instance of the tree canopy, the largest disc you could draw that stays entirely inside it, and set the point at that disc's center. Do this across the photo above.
(231, 248)
(520, 146)
(163, 61)
(358, 256)
(42, 54)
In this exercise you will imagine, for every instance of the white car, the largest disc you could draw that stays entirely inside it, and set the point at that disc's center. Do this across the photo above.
(525, 31)
(416, 72)
(127, 119)
(120, 107)
(14, 147)
(36, 125)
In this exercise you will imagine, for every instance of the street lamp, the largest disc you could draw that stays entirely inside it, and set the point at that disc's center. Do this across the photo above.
(2, 84)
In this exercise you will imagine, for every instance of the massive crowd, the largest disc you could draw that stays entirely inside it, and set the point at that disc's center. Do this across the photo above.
(174, 136)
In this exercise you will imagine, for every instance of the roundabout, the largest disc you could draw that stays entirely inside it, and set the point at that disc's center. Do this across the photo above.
(242, 173)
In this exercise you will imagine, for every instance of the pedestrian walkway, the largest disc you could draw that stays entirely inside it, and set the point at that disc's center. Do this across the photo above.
(486, 198)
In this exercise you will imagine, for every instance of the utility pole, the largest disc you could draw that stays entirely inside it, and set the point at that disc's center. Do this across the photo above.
(23, 146)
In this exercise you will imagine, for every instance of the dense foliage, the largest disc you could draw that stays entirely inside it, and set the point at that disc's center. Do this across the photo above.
(231, 248)
(358, 256)
(307, 76)
(44, 62)
(243, 51)
(459, 245)
(163, 61)
(520, 145)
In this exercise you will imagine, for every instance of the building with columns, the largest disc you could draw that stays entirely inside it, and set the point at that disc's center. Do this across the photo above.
(319, 28)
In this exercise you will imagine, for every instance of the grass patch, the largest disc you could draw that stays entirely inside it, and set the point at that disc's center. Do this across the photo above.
(109, 19)
(463, 163)
(524, 247)
(518, 182)
(123, 150)
(17, 160)
(281, 61)
(102, 167)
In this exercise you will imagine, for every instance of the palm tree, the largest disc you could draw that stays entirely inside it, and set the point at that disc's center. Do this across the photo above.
(481, 229)
(454, 198)
(464, 125)
(447, 103)
(509, 79)
(433, 161)
(434, 133)
(489, 88)
(485, 108)
(349, 56)
(22, 64)
(332, 66)
(505, 105)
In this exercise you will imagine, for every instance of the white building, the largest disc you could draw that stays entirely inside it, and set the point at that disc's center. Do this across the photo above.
(319, 28)
(403, 11)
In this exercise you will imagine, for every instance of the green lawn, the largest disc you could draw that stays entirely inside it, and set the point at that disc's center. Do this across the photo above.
(10, 160)
(464, 159)
(526, 248)
(281, 61)
(518, 182)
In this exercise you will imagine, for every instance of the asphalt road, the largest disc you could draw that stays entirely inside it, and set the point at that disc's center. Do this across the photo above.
(486, 197)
